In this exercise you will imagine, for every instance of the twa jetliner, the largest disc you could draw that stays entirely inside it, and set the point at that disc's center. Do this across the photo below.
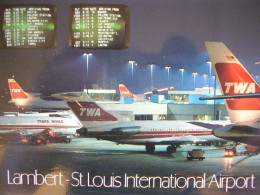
(148, 133)
(34, 101)
(237, 83)
(64, 123)
(124, 92)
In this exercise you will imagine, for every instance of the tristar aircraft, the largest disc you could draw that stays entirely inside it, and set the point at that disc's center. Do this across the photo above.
(35, 101)
(65, 123)
(148, 133)
(238, 84)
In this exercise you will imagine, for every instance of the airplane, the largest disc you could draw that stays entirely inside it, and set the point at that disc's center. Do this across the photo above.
(124, 92)
(148, 133)
(28, 123)
(32, 100)
(241, 94)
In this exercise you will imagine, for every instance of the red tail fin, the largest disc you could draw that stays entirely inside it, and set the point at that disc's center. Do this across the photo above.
(235, 79)
(124, 92)
(15, 90)
(90, 111)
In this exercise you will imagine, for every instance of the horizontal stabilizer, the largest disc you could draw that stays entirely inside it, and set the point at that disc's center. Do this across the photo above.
(221, 97)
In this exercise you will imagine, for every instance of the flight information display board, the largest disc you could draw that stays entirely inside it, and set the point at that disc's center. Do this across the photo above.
(99, 26)
(28, 26)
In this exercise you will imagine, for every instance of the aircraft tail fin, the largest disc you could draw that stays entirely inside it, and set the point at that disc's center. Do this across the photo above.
(234, 79)
(124, 92)
(90, 112)
(16, 91)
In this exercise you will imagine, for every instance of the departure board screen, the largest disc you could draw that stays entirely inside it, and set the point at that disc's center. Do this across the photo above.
(28, 26)
(99, 26)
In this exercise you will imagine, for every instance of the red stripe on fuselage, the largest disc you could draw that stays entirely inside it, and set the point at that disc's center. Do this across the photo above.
(10, 127)
(157, 134)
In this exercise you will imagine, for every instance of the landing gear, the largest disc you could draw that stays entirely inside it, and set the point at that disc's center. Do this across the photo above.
(171, 149)
(150, 148)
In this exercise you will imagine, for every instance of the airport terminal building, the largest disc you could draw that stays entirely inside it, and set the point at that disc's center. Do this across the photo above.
(179, 105)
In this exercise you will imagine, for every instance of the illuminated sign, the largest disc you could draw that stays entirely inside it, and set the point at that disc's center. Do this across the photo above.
(99, 26)
(28, 26)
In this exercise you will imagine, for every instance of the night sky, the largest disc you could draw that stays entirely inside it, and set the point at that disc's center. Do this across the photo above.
(162, 32)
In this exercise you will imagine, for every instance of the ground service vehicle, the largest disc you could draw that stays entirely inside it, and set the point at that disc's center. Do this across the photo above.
(195, 154)
(47, 136)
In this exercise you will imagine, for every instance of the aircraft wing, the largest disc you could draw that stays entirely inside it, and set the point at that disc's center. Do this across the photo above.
(249, 95)
(239, 133)
(112, 133)
(72, 96)
(206, 125)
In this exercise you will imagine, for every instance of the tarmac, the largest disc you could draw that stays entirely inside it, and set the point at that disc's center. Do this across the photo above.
(93, 166)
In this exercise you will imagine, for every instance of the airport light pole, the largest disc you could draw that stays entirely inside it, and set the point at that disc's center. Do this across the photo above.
(151, 65)
(132, 62)
(213, 78)
(194, 77)
(182, 70)
(215, 86)
(205, 78)
(87, 54)
(209, 62)
(168, 70)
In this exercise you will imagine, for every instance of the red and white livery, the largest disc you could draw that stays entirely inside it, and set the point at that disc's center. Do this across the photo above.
(241, 93)
(148, 133)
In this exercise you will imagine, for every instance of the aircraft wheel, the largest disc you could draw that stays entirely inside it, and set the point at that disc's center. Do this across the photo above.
(150, 148)
(171, 149)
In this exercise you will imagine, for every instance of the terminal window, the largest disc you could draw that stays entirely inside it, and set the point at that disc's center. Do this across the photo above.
(143, 117)
(98, 26)
(28, 26)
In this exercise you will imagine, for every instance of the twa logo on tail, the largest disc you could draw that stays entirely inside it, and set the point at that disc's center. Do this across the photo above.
(124, 92)
(90, 111)
(233, 78)
(15, 90)
(239, 88)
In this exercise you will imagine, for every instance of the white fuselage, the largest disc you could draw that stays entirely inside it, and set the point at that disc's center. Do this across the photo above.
(37, 102)
(156, 132)
(67, 124)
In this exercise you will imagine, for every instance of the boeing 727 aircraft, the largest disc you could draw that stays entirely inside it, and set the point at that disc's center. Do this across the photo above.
(148, 133)
(241, 93)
